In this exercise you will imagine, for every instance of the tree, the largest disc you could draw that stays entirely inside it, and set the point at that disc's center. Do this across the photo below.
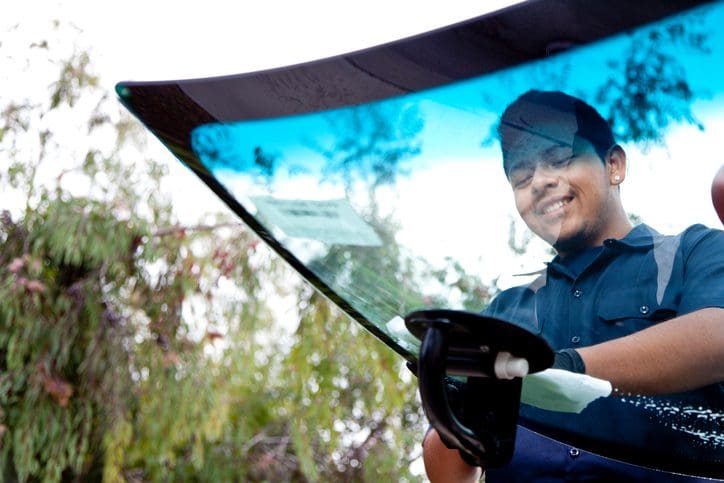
(136, 347)
(648, 89)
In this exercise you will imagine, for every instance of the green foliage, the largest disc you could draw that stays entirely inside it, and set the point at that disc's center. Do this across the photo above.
(74, 77)
(137, 348)
(59, 332)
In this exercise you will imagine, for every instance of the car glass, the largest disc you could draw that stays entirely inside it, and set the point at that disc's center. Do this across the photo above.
(403, 204)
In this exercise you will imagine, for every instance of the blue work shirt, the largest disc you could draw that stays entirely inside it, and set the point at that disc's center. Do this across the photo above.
(627, 286)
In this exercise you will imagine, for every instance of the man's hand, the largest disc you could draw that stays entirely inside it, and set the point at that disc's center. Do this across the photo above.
(444, 465)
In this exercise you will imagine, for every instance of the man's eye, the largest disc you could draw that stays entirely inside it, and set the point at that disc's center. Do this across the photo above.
(563, 162)
(521, 181)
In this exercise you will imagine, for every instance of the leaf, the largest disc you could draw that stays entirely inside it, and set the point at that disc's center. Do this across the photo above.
(58, 389)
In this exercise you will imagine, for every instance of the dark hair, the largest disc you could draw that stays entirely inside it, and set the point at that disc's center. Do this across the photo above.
(551, 116)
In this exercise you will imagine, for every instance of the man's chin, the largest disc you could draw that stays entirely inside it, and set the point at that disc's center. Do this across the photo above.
(571, 244)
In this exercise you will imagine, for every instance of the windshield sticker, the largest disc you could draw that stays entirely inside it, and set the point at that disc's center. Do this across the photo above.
(334, 222)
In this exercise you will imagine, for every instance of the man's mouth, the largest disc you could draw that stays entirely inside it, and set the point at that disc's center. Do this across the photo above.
(548, 208)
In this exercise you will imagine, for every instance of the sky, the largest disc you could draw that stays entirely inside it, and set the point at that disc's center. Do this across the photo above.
(159, 40)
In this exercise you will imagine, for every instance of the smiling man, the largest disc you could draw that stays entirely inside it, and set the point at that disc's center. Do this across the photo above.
(581, 208)
(642, 310)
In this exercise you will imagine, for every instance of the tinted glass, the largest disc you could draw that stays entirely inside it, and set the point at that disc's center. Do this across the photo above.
(403, 204)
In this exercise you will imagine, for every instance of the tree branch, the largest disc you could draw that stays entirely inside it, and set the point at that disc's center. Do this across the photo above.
(172, 230)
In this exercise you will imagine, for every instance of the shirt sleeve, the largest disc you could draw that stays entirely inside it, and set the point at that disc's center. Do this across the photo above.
(703, 258)
(516, 305)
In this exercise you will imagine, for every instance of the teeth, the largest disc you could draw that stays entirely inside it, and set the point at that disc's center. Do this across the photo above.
(554, 206)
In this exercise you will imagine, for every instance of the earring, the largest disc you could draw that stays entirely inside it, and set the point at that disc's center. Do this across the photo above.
(617, 178)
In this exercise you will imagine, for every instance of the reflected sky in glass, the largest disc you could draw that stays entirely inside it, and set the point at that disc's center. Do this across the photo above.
(445, 193)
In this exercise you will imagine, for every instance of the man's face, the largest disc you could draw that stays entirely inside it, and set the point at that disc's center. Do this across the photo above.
(563, 193)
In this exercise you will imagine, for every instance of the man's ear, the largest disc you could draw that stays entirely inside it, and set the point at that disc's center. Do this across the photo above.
(616, 165)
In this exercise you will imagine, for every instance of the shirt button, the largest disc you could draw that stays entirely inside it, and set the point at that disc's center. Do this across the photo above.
(577, 293)
(573, 452)
(575, 339)
(644, 309)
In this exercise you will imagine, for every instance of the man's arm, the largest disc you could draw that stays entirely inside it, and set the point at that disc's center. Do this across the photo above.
(445, 465)
(683, 353)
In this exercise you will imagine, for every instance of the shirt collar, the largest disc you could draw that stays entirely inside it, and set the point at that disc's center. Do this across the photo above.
(641, 236)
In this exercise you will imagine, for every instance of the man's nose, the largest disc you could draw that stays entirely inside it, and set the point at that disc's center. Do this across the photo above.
(543, 178)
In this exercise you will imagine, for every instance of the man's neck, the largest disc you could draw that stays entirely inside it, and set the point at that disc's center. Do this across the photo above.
(570, 248)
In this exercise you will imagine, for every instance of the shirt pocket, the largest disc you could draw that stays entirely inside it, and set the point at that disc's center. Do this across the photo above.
(624, 311)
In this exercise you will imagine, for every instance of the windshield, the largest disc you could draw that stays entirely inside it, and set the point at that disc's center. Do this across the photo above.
(403, 204)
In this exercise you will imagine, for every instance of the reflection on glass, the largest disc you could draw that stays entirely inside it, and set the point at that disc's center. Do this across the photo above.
(404, 204)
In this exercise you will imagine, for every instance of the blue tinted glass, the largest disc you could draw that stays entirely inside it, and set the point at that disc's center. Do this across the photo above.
(403, 204)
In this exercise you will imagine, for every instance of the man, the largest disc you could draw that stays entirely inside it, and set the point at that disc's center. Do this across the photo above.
(642, 310)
